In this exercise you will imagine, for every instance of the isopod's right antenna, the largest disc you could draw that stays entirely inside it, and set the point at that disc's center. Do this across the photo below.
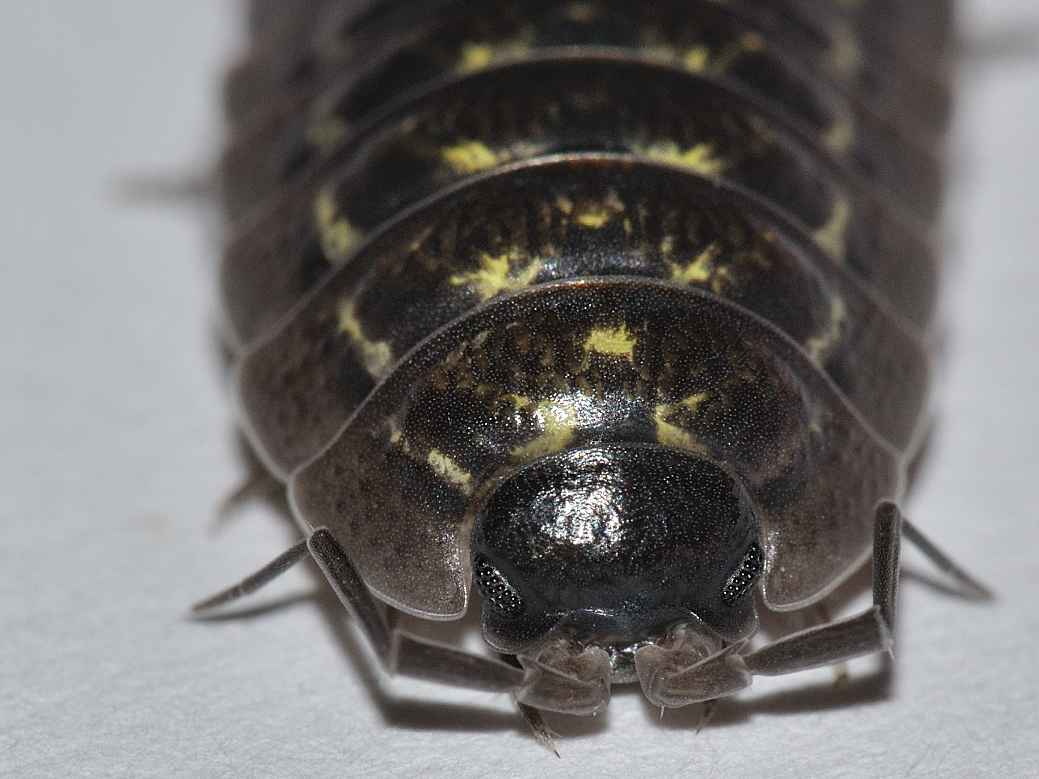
(667, 684)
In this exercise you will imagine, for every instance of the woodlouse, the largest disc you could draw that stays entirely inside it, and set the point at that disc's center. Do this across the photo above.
(616, 309)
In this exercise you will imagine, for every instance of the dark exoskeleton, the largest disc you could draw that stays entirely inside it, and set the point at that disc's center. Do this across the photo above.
(617, 310)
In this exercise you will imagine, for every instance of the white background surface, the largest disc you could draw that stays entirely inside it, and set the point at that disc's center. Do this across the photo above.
(117, 446)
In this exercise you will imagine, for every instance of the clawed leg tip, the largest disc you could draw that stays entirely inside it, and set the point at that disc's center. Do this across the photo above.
(706, 714)
(543, 734)
(549, 742)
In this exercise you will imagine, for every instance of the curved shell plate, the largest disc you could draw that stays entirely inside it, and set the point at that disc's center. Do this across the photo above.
(525, 111)
(635, 359)
(771, 63)
(556, 220)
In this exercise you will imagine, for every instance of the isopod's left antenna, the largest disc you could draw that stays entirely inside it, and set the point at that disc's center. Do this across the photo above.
(253, 582)
(399, 651)
(166, 189)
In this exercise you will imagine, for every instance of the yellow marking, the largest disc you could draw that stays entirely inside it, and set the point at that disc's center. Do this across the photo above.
(596, 214)
(377, 356)
(819, 346)
(615, 342)
(697, 59)
(594, 218)
(494, 277)
(674, 436)
(832, 236)
(700, 59)
(470, 157)
(816, 420)
(558, 421)
(475, 56)
(722, 278)
(519, 401)
(327, 133)
(840, 136)
(699, 270)
(450, 471)
(565, 204)
(846, 56)
(693, 402)
(397, 436)
(478, 55)
(338, 237)
(701, 158)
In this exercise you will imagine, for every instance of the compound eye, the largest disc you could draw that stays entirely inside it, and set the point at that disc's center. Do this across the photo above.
(496, 589)
(741, 579)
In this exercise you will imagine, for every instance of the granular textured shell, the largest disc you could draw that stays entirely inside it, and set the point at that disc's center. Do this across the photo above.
(465, 236)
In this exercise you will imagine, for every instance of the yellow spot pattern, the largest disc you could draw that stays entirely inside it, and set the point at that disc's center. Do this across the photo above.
(615, 342)
(327, 133)
(699, 270)
(671, 435)
(558, 422)
(832, 236)
(377, 356)
(397, 437)
(840, 136)
(701, 158)
(475, 56)
(450, 471)
(469, 157)
(338, 237)
(495, 276)
(519, 401)
(697, 59)
(700, 59)
(596, 214)
(693, 402)
(819, 346)
(594, 219)
(845, 57)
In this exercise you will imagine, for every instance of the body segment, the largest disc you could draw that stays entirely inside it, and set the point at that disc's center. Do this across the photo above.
(608, 105)
(713, 40)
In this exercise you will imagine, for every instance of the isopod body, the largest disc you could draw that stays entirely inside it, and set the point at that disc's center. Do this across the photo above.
(617, 310)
